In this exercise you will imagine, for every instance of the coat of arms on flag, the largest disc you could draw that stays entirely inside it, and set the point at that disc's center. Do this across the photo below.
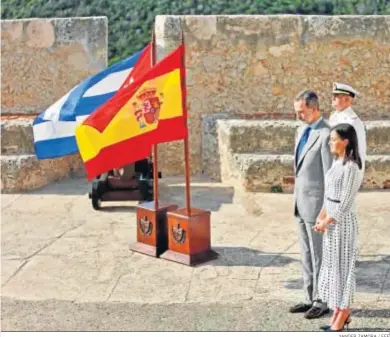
(147, 112)
(147, 108)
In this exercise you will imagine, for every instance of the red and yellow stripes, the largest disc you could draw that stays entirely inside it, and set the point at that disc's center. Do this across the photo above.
(147, 112)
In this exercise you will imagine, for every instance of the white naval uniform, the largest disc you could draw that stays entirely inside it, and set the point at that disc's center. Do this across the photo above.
(349, 116)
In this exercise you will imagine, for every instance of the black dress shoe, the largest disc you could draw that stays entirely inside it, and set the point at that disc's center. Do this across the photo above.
(316, 312)
(300, 307)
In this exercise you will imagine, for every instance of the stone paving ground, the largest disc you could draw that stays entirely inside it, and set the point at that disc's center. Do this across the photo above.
(67, 267)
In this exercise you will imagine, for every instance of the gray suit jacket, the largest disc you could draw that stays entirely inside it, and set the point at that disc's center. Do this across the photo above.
(310, 171)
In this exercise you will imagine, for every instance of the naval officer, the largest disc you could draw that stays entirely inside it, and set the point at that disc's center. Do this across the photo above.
(343, 96)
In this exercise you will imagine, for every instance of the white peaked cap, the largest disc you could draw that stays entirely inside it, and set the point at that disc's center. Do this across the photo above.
(340, 88)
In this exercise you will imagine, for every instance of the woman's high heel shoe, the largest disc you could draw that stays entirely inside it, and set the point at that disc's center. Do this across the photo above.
(347, 322)
(328, 328)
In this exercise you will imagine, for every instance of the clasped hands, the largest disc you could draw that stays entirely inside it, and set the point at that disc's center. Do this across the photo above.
(321, 225)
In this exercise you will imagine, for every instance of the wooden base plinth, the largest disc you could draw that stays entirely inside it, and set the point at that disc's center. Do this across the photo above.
(189, 260)
(189, 237)
(152, 237)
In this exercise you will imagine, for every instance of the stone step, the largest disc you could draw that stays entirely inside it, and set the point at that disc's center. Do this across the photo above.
(25, 172)
(17, 136)
(275, 173)
(278, 136)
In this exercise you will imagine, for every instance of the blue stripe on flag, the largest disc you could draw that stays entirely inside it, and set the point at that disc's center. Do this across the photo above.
(53, 139)
(57, 147)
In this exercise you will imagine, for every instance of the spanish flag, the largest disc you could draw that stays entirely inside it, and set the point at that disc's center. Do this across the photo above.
(146, 112)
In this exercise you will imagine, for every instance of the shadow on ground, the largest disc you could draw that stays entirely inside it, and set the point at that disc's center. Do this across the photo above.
(370, 276)
(243, 256)
(362, 313)
(205, 197)
(71, 186)
(385, 313)
(203, 194)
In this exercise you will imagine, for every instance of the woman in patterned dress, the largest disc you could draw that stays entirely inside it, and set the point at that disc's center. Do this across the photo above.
(337, 220)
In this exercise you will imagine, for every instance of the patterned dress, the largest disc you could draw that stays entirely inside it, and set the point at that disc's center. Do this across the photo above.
(336, 285)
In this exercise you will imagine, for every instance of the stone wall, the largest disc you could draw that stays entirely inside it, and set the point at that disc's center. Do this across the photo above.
(246, 67)
(42, 59)
(253, 66)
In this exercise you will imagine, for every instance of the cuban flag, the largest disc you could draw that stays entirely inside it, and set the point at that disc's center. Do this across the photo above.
(54, 129)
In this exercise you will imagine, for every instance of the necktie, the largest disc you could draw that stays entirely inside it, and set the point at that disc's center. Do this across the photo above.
(303, 141)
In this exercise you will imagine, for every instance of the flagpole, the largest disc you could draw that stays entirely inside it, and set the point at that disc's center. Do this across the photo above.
(186, 143)
(155, 157)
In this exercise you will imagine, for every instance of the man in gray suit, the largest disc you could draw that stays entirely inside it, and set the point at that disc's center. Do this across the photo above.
(311, 162)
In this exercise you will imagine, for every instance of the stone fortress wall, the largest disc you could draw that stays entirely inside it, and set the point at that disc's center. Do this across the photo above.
(41, 60)
(242, 75)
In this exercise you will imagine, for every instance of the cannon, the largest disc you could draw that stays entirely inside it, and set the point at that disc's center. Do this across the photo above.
(132, 182)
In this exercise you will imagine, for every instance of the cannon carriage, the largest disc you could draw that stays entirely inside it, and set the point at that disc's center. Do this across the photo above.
(134, 182)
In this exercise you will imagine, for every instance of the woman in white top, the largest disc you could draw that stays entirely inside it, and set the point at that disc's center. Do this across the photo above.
(337, 220)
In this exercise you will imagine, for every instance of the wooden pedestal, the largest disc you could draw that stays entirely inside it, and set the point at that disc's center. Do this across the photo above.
(152, 238)
(189, 237)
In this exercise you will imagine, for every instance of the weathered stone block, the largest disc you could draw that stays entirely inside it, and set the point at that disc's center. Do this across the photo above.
(274, 173)
(17, 137)
(278, 136)
(377, 174)
(25, 172)
(270, 136)
(202, 27)
(211, 157)
(270, 167)
(42, 59)
(267, 173)
(324, 27)
(378, 137)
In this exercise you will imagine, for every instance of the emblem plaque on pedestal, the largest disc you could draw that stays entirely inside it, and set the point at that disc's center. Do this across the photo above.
(152, 236)
(189, 239)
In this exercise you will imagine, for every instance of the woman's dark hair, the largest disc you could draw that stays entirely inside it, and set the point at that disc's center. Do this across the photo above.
(347, 131)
